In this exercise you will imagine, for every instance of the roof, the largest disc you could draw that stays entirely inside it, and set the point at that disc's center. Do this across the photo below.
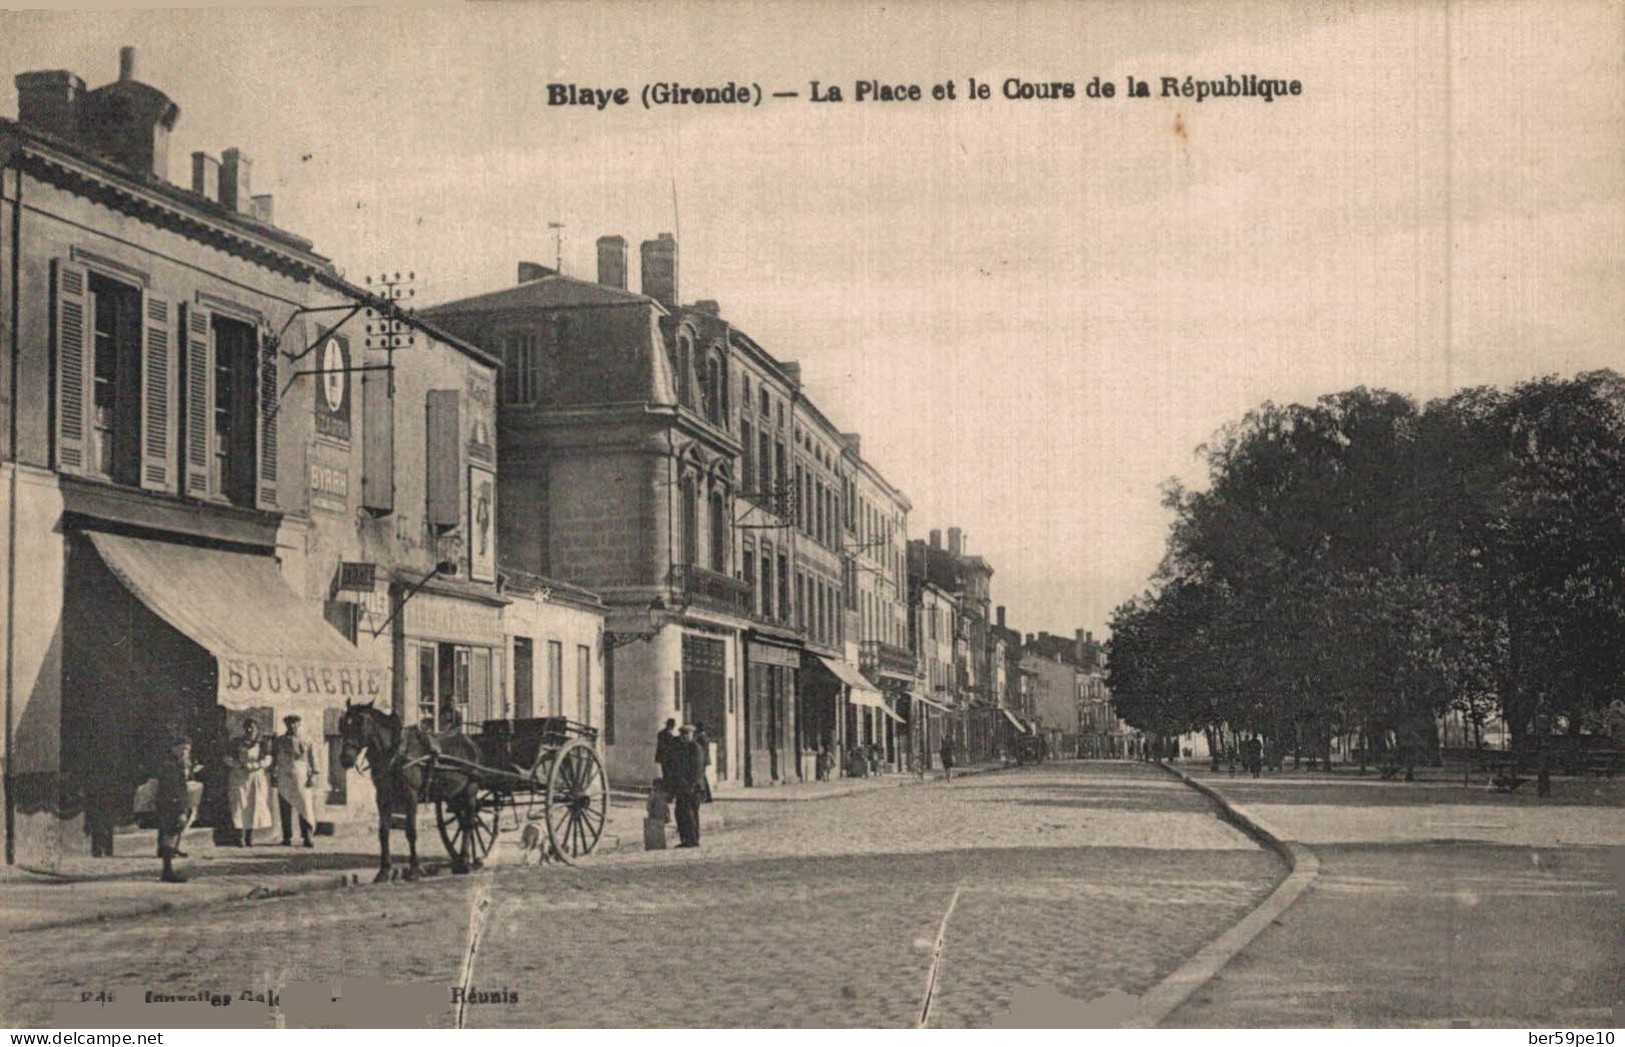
(554, 291)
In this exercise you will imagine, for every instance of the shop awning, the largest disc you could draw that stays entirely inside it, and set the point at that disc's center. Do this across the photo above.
(1017, 724)
(889, 711)
(863, 692)
(932, 702)
(272, 648)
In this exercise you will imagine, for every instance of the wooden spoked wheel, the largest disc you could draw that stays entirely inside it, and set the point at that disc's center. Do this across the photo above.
(577, 800)
(482, 826)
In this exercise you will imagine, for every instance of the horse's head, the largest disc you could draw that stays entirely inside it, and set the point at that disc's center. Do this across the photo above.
(364, 728)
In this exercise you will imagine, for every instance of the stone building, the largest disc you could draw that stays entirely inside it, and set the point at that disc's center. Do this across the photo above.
(213, 513)
(876, 584)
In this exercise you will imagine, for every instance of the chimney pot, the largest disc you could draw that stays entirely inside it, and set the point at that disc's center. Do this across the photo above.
(936, 539)
(659, 263)
(1001, 616)
(612, 261)
(126, 63)
(263, 208)
(708, 306)
(236, 191)
(956, 541)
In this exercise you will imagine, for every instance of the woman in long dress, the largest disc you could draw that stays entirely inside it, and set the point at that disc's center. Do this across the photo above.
(247, 785)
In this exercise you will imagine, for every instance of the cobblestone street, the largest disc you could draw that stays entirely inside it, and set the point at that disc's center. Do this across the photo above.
(1076, 878)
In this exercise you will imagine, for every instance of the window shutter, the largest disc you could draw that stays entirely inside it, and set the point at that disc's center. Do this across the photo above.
(445, 459)
(75, 351)
(199, 401)
(377, 443)
(269, 404)
(157, 394)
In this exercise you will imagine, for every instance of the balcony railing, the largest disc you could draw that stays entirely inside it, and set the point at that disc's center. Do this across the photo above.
(710, 589)
(878, 656)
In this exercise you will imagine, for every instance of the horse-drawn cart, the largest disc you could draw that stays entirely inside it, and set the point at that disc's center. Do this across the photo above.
(503, 775)
(543, 770)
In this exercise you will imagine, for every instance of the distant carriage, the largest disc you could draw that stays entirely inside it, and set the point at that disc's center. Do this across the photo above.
(1030, 748)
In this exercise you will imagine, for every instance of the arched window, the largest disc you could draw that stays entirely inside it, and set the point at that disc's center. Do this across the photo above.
(685, 380)
(691, 521)
(719, 534)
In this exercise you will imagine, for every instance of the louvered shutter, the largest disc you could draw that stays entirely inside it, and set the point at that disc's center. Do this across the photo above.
(199, 400)
(75, 359)
(157, 394)
(270, 388)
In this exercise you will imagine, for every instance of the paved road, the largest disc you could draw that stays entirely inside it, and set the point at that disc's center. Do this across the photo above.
(1070, 878)
(1435, 905)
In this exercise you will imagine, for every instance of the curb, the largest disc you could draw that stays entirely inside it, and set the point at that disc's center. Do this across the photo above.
(1167, 995)
(766, 795)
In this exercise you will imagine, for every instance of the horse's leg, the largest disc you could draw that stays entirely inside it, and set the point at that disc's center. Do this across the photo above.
(384, 806)
(412, 838)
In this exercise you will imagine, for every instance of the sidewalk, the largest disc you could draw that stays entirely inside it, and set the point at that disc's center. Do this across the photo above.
(83, 889)
(1435, 905)
(798, 792)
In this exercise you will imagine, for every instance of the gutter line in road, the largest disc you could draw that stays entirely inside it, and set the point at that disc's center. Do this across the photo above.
(936, 960)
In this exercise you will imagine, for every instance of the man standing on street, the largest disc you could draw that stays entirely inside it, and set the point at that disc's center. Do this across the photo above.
(685, 771)
(704, 742)
(664, 741)
(173, 804)
(293, 763)
(947, 757)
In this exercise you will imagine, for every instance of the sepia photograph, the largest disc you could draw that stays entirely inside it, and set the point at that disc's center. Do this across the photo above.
(1092, 516)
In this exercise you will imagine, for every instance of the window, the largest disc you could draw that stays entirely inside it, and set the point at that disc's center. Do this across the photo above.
(747, 442)
(685, 395)
(719, 534)
(524, 671)
(750, 577)
(555, 678)
(801, 600)
(235, 376)
(691, 521)
(744, 389)
(801, 503)
(767, 412)
(767, 581)
(521, 369)
(115, 448)
(584, 682)
(782, 475)
(784, 588)
(427, 675)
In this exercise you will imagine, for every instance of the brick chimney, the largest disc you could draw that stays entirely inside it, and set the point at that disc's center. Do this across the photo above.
(236, 185)
(612, 261)
(659, 258)
(854, 441)
(262, 208)
(206, 176)
(49, 101)
(956, 541)
(936, 539)
(129, 122)
(999, 611)
(708, 306)
(792, 371)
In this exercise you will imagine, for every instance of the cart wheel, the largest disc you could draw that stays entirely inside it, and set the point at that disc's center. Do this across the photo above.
(482, 823)
(577, 800)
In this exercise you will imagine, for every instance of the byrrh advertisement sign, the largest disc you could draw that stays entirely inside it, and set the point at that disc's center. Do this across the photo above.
(333, 390)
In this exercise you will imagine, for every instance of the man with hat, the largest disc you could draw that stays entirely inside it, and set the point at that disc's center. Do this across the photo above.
(173, 802)
(686, 773)
(293, 764)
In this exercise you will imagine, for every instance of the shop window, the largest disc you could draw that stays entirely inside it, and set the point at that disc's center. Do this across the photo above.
(584, 682)
(555, 678)
(524, 669)
(427, 675)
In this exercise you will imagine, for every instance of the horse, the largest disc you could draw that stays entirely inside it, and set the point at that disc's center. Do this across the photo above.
(402, 762)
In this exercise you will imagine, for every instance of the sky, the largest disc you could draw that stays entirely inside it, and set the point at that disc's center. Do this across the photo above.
(1034, 311)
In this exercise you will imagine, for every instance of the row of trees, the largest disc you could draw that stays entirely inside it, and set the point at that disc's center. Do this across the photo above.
(1361, 564)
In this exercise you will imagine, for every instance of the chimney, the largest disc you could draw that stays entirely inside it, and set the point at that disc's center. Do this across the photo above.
(1000, 612)
(956, 542)
(854, 441)
(1029, 639)
(529, 271)
(936, 539)
(126, 63)
(659, 258)
(612, 261)
(1088, 637)
(206, 176)
(708, 306)
(49, 101)
(792, 370)
(262, 208)
(236, 193)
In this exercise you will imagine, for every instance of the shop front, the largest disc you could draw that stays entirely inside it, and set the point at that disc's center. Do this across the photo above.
(772, 684)
(449, 650)
(161, 636)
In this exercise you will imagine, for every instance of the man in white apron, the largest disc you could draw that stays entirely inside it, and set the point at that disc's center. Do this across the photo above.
(294, 767)
(248, 791)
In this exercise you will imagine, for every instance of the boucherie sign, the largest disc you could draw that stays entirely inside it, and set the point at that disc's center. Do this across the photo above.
(247, 680)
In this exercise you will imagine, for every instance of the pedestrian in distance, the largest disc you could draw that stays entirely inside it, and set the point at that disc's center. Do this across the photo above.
(294, 767)
(1255, 756)
(248, 789)
(686, 774)
(173, 804)
(948, 759)
(663, 744)
(704, 742)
